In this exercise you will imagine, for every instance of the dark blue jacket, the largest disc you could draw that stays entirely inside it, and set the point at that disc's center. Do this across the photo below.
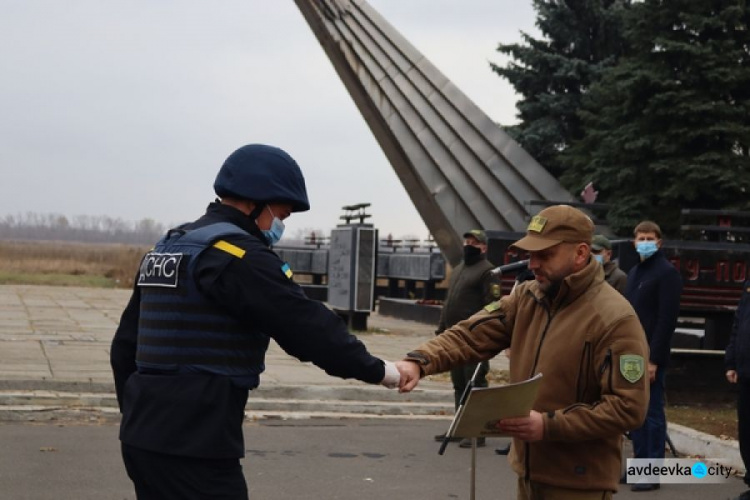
(200, 414)
(737, 356)
(654, 288)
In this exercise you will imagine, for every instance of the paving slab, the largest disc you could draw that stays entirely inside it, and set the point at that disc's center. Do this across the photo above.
(58, 338)
(63, 334)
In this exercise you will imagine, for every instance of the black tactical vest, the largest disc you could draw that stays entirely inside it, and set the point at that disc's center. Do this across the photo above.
(179, 330)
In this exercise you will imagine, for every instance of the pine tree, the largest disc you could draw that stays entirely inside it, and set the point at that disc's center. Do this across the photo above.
(581, 37)
(669, 126)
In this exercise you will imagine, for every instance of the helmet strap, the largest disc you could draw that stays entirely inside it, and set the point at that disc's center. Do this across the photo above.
(259, 207)
(253, 216)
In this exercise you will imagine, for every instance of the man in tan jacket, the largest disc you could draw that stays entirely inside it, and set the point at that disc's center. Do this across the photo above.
(587, 342)
(601, 248)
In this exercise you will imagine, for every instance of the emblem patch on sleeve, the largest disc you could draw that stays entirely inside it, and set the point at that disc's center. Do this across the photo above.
(492, 306)
(287, 270)
(632, 367)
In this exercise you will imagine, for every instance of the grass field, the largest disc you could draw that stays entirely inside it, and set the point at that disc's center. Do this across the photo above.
(68, 264)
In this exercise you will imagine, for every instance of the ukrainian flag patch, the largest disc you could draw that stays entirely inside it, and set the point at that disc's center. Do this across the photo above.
(287, 270)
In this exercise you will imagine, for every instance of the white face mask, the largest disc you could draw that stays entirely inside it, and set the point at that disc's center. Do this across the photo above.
(274, 234)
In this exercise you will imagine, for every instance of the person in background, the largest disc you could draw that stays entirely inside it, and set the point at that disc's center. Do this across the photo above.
(653, 289)
(585, 339)
(601, 248)
(192, 340)
(472, 286)
(737, 361)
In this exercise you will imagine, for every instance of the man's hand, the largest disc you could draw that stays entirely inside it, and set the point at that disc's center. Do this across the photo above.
(392, 378)
(652, 372)
(529, 428)
(732, 376)
(410, 374)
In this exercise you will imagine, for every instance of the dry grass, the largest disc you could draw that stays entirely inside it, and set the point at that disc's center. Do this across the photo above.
(718, 419)
(65, 263)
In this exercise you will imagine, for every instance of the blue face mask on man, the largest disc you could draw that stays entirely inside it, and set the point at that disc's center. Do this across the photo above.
(646, 248)
(274, 234)
(599, 258)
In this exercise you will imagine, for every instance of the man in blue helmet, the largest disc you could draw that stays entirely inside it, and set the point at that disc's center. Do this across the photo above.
(192, 340)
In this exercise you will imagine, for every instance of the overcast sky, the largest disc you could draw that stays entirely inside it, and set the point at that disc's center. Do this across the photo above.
(127, 108)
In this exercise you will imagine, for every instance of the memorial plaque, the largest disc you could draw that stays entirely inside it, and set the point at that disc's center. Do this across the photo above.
(340, 268)
(366, 255)
(351, 268)
(319, 261)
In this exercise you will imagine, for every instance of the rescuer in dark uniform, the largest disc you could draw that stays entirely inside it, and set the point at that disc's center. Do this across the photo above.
(192, 340)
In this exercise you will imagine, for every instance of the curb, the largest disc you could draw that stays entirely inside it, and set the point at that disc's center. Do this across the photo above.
(62, 403)
(694, 443)
(75, 402)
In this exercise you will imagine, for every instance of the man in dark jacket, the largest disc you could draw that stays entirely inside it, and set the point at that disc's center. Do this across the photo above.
(472, 286)
(192, 340)
(737, 361)
(601, 249)
(653, 289)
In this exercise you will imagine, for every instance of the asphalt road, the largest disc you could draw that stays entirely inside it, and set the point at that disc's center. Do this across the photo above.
(286, 459)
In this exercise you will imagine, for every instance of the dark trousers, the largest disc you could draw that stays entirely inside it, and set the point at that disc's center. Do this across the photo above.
(461, 376)
(743, 424)
(157, 476)
(650, 440)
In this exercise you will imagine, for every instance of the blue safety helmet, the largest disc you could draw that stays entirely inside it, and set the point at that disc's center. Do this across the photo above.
(264, 174)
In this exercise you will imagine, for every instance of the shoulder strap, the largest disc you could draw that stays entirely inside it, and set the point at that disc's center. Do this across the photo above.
(207, 234)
